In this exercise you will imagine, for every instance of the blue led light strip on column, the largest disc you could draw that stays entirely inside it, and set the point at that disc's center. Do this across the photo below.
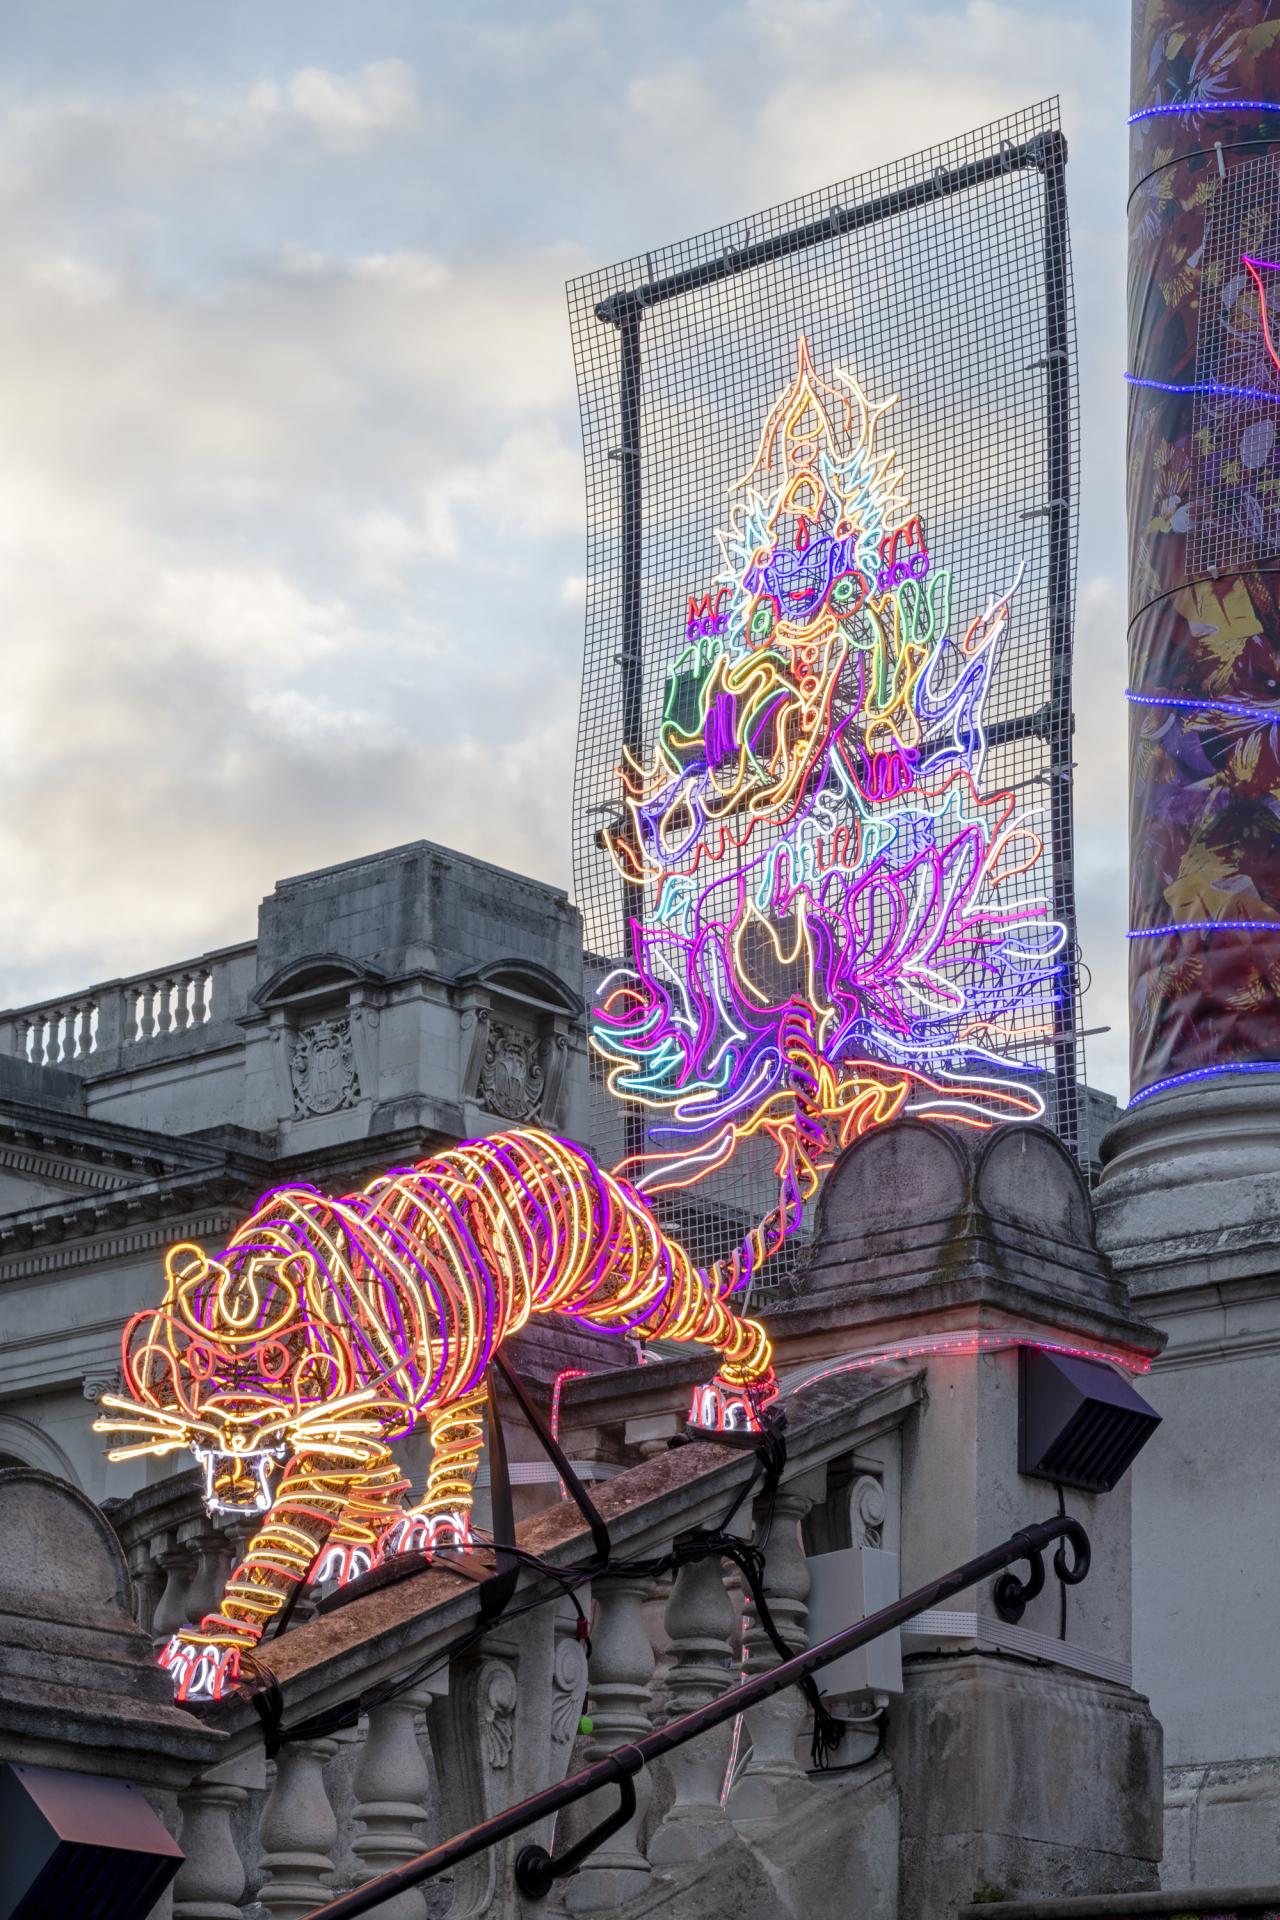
(1205, 106)
(1205, 1073)
(1205, 926)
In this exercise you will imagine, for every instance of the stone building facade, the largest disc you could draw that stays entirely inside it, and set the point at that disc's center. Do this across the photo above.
(388, 1005)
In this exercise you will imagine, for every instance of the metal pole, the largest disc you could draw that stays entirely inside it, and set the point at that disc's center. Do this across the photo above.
(632, 656)
(1029, 1543)
(1058, 479)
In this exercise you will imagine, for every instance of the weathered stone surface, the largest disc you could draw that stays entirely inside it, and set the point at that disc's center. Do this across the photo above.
(79, 1686)
(1189, 1210)
(1018, 1780)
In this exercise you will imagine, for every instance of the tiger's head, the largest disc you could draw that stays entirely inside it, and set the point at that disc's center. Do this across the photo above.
(236, 1365)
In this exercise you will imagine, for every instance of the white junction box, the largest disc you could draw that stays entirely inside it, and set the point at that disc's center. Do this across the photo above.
(843, 1587)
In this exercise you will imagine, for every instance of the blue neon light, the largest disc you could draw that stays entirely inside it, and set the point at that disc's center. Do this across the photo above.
(1205, 926)
(1205, 1073)
(1205, 106)
(1203, 706)
(1204, 386)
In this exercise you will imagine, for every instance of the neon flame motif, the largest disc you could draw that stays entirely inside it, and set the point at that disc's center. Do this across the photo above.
(823, 939)
(329, 1328)
(1255, 270)
(811, 831)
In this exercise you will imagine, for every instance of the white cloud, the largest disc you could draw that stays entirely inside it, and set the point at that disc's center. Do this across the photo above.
(346, 110)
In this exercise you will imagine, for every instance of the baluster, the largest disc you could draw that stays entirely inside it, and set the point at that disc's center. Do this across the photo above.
(211, 1878)
(773, 1780)
(169, 1003)
(391, 1784)
(212, 1552)
(147, 1583)
(699, 1622)
(150, 1010)
(204, 996)
(89, 1031)
(22, 1037)
(49, 1038)
(299, 1832)
(178, 1563)
(620, 1669)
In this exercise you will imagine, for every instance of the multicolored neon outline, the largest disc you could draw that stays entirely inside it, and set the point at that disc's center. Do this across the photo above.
(812, 831)
(824, 937)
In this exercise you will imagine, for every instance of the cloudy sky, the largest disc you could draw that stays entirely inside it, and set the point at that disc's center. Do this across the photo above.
(284, 318)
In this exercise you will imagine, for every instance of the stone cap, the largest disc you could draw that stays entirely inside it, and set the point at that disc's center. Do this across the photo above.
(79, 1684)
(918, 1218)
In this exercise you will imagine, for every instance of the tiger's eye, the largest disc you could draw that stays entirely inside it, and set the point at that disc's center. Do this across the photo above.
(273, 1358)
(200, 1360)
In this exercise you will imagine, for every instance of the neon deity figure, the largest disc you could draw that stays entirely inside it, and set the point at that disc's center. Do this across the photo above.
(812, 827)
(822, 939)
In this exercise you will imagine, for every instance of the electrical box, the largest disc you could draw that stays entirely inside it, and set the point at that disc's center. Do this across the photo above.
(844, 1587)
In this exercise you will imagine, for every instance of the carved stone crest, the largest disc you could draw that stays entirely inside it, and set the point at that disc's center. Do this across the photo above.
(511, 1079)
(322, 1070)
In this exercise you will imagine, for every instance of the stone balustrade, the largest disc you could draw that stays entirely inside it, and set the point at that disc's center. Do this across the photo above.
(87, 1031)
(473, 1728)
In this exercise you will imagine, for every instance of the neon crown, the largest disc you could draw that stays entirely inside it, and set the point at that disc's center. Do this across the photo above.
(821, 942)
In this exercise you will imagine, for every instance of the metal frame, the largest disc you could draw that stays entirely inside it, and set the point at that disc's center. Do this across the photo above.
(1046, 153)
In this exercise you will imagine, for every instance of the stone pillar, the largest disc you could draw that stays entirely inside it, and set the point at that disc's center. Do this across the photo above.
(1016, 1779)
(1189, 1204)
(81, 1689)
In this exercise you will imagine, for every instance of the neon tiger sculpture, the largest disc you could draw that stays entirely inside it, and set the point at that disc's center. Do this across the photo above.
(824, 937)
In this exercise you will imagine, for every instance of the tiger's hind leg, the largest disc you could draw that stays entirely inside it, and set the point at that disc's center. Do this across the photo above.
(442, 1518)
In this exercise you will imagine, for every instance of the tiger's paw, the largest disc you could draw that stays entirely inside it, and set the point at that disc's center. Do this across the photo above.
(344, 1562)
(203, 1668)
(729, 1406)
(429, 1532)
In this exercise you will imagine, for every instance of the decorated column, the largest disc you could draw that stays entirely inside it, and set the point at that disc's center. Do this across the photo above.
(1189, 1204)
(1204, 541)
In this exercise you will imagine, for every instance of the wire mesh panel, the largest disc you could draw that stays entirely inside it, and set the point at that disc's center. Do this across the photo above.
(824, 746)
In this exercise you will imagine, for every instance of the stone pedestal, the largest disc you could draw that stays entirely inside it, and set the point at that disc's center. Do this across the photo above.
(1189, 1210)
(1017, 1776)
(79, 1686)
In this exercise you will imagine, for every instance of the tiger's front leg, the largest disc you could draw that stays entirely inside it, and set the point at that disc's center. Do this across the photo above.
(323, 1487)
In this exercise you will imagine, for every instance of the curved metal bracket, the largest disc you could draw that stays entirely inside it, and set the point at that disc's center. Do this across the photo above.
(537, 1871)
(1010, 1595)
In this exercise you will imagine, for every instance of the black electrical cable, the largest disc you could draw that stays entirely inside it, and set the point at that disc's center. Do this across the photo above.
(748, 1557)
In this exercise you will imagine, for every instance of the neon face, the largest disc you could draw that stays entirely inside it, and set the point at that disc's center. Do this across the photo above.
(826, 893)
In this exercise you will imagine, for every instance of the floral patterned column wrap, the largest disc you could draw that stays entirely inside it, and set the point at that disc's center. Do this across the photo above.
(1204, 537)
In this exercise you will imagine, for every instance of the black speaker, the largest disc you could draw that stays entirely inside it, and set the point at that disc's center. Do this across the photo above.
(76, 1845)
(1080, 1423)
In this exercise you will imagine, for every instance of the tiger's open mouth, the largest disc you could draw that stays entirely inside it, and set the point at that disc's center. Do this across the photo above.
(238, 1482)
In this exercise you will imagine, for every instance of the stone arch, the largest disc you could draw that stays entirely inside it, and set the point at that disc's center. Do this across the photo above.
(24, 1445)
(911, 1168)
(1025, 1174)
